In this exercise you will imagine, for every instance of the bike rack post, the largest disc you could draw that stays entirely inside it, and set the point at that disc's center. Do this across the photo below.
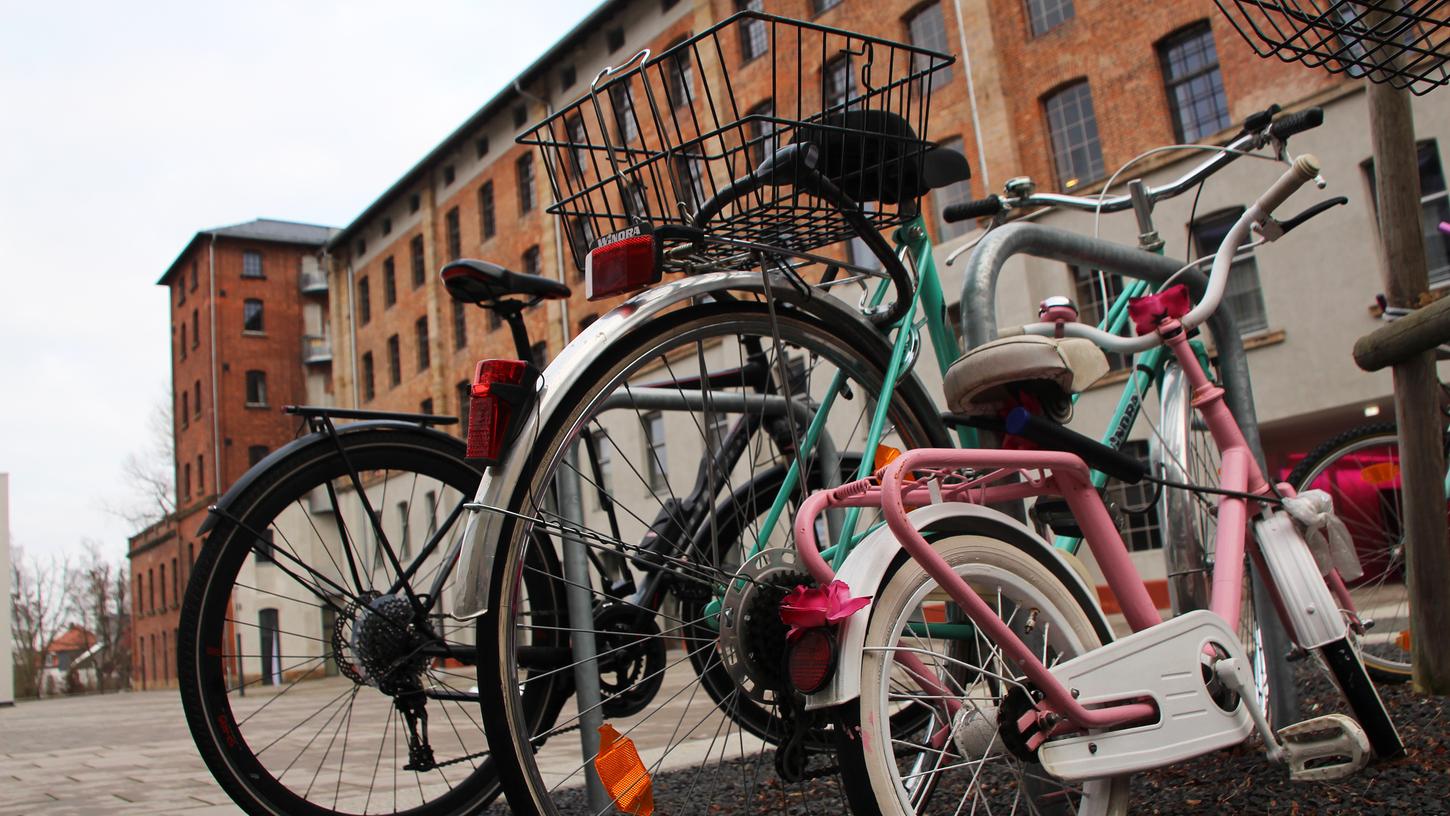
(979, 325)
(585, 651)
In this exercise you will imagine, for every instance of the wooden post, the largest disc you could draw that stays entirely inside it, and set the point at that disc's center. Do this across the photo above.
(1422, 460)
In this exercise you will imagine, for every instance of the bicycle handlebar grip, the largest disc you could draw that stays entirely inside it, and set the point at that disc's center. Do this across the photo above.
(1305, 168)
(1292, 123)
(991, 205)
(1053, 436)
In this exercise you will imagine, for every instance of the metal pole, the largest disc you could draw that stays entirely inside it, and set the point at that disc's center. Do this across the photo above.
(979, 325)
(241, 675)
(581, 621)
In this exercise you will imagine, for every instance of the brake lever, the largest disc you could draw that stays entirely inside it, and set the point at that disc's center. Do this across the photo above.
(1313, 210)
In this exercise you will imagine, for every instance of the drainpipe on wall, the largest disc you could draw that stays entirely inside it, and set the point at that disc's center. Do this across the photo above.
(352, 332)
(972, 100)
(558, 237)
(216, 433)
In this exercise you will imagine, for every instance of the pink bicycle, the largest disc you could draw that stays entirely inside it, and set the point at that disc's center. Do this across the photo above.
(1025, 702)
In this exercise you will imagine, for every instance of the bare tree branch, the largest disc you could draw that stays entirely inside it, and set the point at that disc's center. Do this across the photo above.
(150, 473)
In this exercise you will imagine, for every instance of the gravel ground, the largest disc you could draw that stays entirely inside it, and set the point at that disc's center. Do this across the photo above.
(1240, 780)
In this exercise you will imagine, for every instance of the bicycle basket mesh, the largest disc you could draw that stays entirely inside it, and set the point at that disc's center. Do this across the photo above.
(1404, 44)
(653, 143)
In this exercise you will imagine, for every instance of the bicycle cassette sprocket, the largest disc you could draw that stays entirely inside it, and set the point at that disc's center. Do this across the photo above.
(752, 635)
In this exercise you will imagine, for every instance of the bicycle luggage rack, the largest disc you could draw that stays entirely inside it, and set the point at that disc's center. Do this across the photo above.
(1403, 44)
(657, 137)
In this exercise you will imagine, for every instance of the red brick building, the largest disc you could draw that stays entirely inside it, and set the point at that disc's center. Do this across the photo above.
(249, 335)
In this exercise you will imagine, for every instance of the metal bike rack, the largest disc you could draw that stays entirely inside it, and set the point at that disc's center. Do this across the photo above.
(979, 325)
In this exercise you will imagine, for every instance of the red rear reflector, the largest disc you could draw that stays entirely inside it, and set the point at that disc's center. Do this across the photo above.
(621, 266)
(488, 413)
(811, 660)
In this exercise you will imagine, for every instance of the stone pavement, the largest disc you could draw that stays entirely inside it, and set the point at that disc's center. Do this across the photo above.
(104, 754)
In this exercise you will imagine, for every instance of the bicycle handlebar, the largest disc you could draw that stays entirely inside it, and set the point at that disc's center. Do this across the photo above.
(1304, 169)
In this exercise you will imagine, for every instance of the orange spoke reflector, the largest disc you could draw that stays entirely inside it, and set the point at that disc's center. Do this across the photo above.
(1403, 639)
(623, 774)
(885, 455)
(1381, 474)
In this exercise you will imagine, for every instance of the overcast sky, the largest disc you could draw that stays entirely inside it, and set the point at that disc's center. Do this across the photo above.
(127, 127)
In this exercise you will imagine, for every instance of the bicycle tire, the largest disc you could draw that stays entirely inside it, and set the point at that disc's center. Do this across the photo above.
(1371, 507)
(664, 344)
(1065, 621)
(237, 737)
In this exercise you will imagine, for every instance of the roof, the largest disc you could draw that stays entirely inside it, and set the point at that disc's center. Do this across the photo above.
(73, 639)
(588, 25)
(261, 229)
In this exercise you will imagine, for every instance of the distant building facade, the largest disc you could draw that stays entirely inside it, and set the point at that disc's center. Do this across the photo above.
(250, 334)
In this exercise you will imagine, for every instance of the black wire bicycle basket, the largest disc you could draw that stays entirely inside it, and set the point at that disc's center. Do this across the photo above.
(652, 143)
(1404, 43)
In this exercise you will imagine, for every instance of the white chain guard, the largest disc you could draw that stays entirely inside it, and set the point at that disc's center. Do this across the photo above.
(1162, 663)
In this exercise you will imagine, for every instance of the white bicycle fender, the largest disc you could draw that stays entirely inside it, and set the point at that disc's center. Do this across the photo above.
(865, 569)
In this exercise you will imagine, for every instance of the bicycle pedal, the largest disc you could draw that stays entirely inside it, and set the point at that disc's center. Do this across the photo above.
(1335, 745)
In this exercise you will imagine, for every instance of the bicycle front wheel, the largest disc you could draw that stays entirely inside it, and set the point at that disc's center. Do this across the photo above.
(319, 671)
(951, 758)
(1360, 470)
(658, 477)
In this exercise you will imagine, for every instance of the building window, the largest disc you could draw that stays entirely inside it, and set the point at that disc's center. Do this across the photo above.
(525, 172)
(1434, 208)
(654, 440)
(420, 327)
(818, 6)
(582, 236)
(760, 131)
(395, 361)
(200, 474)
(958, 192)
(448, 175)
(614, 39)
(387, 226)
(754, 37)
(531, 260)
(265, 547)
(362, 247)
(415, 255)
(181, 340)
(426, 406)
(163, 589)
(455, 235)
(364, 302)
(1076, 153)
(414, 202)
(369, 389)
(690, 182)
(150, 591)
(480, 146)
(1046, 15)
(486, 224)
(1142, 530)
(626, 122)
(521, 115)
(1244, 297)
(666, 5)
(269, 632)
(196, 398)
(252, 264)
(680, 80)
(195, 328)
(1195, 87)
(180, 290)
(185, 490)
(929, 30)
(405, 548)
(838, 83)
(604, 456)
(252, 315)
(255, 454)
(566, 78)
(539, 354)
(175, 583)
(193, 276)
(257, 388)
(578, 145)
(390, 283)
(464, 390)
(460, 325)
(185, 409)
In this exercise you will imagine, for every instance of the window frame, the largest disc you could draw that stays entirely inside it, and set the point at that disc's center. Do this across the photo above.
(524, 176)
(363, 294)
(254, 271)
(1079, 177)
(254, 316)
(1192, 33)
(256, 386)
(487, 224)
(369, 377)
(1035, 11)
(420, 330)
(655, 451)
(395, 361)
(1244, 263)
(390, 283)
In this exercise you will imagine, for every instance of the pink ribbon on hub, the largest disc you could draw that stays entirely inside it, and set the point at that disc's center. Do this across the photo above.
(809, 607)
(1147, 310)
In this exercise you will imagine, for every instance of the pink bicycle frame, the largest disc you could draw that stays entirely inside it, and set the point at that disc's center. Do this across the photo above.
(1047, 473)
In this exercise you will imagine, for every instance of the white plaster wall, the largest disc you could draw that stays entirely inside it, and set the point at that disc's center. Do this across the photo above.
(7, 677)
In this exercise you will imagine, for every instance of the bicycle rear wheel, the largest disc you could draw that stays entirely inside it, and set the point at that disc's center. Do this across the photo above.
(677, 491)
(310, 682)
